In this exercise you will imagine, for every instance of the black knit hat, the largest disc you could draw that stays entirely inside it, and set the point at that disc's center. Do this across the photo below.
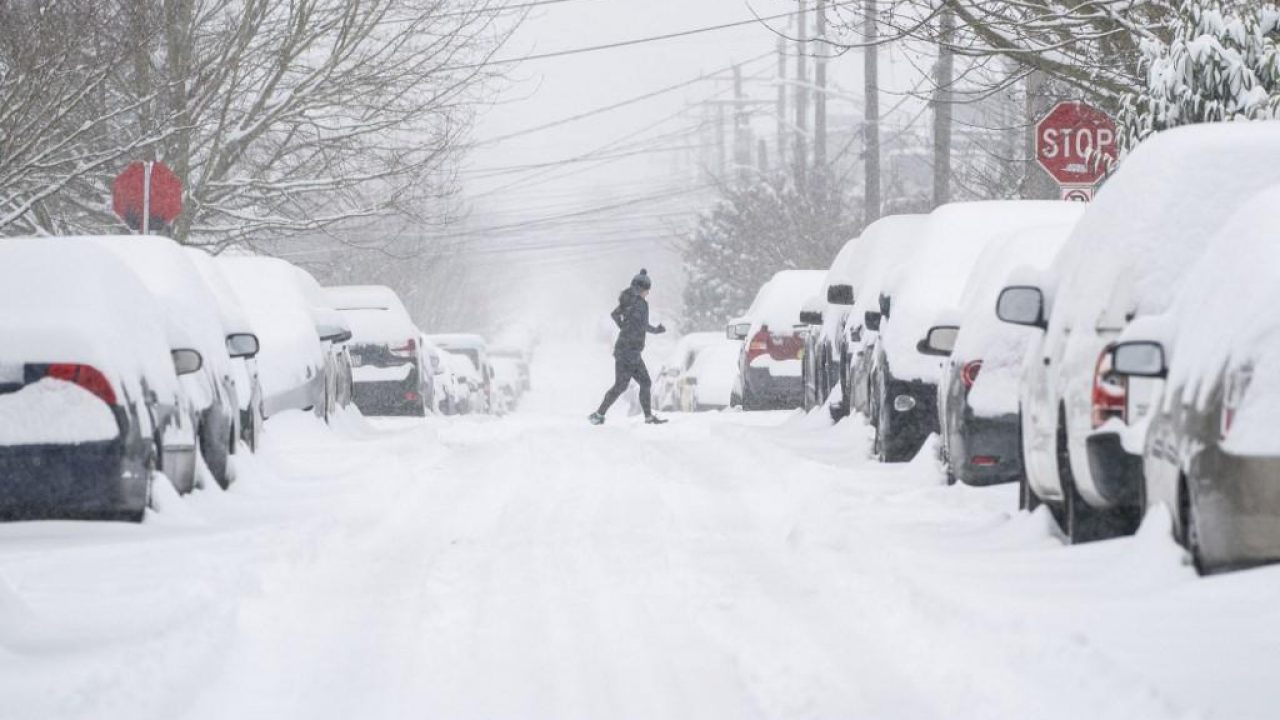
(642, 281)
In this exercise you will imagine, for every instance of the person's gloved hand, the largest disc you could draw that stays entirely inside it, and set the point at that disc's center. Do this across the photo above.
(661, 328)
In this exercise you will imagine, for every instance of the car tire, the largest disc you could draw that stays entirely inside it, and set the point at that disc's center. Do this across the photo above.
(1027, 498)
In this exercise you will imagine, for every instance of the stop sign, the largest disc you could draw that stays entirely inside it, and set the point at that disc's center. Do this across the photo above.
(129, 197)
(1076, 143)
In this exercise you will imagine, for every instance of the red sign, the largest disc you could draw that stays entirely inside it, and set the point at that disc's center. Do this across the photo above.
(1076, 143)
(131, 200)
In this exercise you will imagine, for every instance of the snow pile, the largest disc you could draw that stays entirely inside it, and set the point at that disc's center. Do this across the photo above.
(375, 313)
(54, 412)
(1001, 346)
(70, 301)
(291, 353)
(1152, 221)
(955, 236)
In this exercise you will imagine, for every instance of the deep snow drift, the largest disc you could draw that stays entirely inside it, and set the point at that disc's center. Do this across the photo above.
(727, 565)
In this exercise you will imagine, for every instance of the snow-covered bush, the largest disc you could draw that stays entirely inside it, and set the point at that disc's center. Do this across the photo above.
(1222, 63)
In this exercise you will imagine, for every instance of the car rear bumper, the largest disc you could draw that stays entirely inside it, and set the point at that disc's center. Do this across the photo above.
(89, 481)
(786, 391)
(1237, 505)
(986, 450)
(389, 398)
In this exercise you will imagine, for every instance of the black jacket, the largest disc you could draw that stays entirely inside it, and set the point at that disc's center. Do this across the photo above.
(632, 317)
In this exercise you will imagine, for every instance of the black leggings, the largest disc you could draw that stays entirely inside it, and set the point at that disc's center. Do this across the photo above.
(626, 369)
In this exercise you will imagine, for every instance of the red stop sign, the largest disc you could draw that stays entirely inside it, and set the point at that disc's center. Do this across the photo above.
(128, 195)
(1076, 143)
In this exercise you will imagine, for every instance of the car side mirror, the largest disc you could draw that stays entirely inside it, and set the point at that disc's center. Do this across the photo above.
(872, 321)
(737, 331)
(886, 302)
(1022, 305)
(333, 333)
(242, 345)
(186, 361)
(940, 340)
(840, 294)
(1140, 358)
(810, 317)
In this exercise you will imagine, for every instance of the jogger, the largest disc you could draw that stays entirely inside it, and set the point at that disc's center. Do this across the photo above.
(632, 317)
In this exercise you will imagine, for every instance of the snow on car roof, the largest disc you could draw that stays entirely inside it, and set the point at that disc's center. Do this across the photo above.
(375, 313)
(282, 316)
(170, 273)
(70, 300)
(885, 244)
(955, 236)
(1154, 217)
(690, 343)
(234, 318)
(842, 267)
(777, 305)
(451, 341)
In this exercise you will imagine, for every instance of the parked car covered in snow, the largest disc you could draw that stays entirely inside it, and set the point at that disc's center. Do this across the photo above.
(667, 385)
(827, 314)
(242, 346)
(519, 358)
(184, 297)
(90, 402)
(1209, 451)
(708, 383)
(978, 391)
(468, 393)
(885, 248)
(907, 370)
(294, 359)
(1125, 260)
(389, 366)
(769, 372)
(476, 350)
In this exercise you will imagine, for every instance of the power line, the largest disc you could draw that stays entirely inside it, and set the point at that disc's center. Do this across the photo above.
(640, 41)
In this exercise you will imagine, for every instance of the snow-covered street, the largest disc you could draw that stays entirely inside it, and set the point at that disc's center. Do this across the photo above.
(727, 565)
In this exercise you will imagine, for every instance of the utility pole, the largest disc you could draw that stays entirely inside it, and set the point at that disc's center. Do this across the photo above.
(944, 78)
(820, 101)
(762, 155)
(721, 153)
(802, 93)
(781, 110)
(871, 111)
(741, 141)
(1036, 183)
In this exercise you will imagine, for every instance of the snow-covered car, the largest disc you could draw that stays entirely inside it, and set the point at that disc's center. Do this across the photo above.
(978, 391)
(335, 332)
(468, 394)
(90, 402)
(442, 385)
(906, 372)
(508, 380)
(769, 372)
(242, 346)
(182, 294)
(476, 350)
(709, 381)
(667, 385)
(520, 358)
(1124, 261)
(885, 247)
(292, 358)
(388, 363)
(1211, 454)
(827, 314)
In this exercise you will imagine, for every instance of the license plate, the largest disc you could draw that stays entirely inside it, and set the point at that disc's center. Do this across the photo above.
(12, 373)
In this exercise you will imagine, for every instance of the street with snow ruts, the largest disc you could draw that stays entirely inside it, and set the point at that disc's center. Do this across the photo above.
(725, 565)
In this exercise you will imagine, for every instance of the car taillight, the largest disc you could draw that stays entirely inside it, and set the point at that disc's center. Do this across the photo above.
(87, 377)
(1110, 391)
(406, 350)
(969, 373)
(759, 345)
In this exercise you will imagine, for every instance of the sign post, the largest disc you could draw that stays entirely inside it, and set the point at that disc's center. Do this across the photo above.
(1076, 145)
(147, 196)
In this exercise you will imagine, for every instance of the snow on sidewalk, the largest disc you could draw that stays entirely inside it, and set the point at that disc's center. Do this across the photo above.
(726, 565)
